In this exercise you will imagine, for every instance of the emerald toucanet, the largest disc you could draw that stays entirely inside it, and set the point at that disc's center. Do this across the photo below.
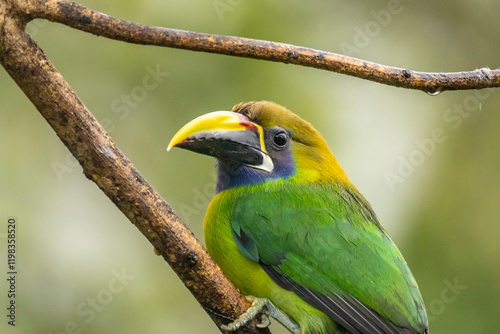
(288, 228)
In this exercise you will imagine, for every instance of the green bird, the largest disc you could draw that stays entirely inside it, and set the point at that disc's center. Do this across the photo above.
(290, 230)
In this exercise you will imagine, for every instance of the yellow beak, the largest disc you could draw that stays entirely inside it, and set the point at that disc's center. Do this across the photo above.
(225, 135)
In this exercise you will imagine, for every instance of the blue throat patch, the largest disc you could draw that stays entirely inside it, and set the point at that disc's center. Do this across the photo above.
(232, 174)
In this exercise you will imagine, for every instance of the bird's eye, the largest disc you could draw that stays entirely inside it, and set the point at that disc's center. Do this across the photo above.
(280, 139)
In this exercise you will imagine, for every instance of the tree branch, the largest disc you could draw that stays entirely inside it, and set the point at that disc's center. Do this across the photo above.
(83, 18)
(109, 168)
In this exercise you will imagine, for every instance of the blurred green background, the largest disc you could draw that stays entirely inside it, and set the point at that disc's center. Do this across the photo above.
(428, 165)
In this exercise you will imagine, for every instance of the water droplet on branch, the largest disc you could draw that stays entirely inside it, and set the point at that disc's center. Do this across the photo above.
(434, 91)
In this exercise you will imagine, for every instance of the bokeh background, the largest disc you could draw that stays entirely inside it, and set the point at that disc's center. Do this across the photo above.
(428, 165)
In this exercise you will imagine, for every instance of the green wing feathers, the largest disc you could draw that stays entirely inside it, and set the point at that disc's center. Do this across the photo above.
(325, 242)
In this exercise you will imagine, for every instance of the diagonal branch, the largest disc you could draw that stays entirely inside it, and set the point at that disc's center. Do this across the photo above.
(109, 168)
(85, 19)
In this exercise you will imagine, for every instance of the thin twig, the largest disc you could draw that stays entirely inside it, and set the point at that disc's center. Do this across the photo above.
(83, 18)
(109, 168)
